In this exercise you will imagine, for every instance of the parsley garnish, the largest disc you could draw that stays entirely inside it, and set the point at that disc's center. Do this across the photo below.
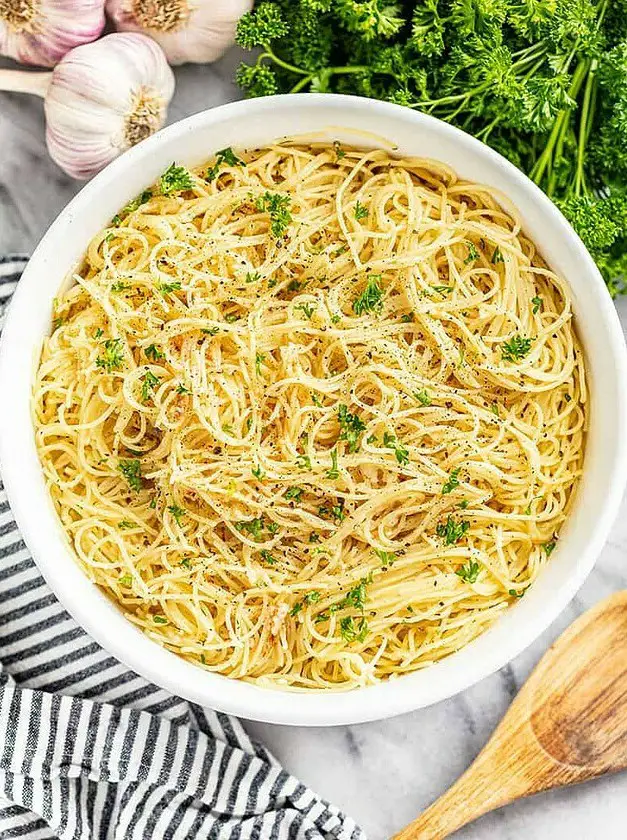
(537, 303)
(516, 348)
(224, 156)
(361, 212)
(386, 557)
(316, 400)
(152, 352)
(168, 288)
(400, 450)
(252, 527)
(181, 389)
(468, 573)
(549, 548)
(124, 524)
(266, 556)
(473, 254)
(422, 397)
(307, 309)
(257, 472)
(210, 330)
(131, 469)
(277, 206)
(310, 598)
(259, 358)
(515, 594)
(357, 596)
(339, 152)
(333, 473)
(497, 256)
(303, 461)
(452, 482)
(186, 563)
(98, 332)
(336, 512)
(314, 537)
(177, 512)
(294, 493)
(371, 299)
(408, 318)
(253, 277)
(353, 632)
(120, 286)
(126, 580)
(149, 383)
(56, 322)
(112, 356)
(160, 619)
(351, 425)
(452, 531)
(176, 179)
(442, 290)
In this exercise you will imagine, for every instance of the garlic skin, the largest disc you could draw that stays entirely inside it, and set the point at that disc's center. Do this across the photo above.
(104, 98)
(198, 31)
(43, 31)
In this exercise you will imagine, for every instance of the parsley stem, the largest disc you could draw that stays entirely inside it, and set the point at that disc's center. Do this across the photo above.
(279, 61)
(301, 84)
(585, 125)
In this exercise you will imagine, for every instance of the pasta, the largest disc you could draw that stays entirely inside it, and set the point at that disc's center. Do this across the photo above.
(312, 416)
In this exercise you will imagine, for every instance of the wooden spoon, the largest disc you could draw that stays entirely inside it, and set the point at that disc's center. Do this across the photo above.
(567, 724)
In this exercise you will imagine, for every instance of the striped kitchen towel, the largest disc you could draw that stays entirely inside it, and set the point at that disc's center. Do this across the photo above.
(88, 749)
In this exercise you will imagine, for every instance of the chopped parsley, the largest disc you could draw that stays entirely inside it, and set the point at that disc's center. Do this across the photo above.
(351, 427)
(132, 205)
(252, 527)
(224, 156)
(333, 473)
(356, 598)
(452, 483)
(253, 277)
(473, 254)
(277, 206)
(112, 356)
(98, 332)
(120, 286)
(124, 524)
(549, 548)
(353, 631)
(153, 353)
(515, 594)
(56, 322)
(294, 286)
(386, 557)
(400, 450)
(371, 299)
(149, 383)
(463, 504)
(314, 537)
(468, 573)
(497, 256)
(266, 556)
(310, 598)
(131, 469)
(257, 472)
(168, 288)
(515, 349)
(186, 563)
(160, 619)
(336, 512)
(176, 179)
(126, 580)
(442, 290)
(494, 408)
(422, 397)
(177, 512)
(408, 318)
(210, 330)
(294, 493)
(316, 400)
(361, 212)
(339, 151)
(307, 309)
(181, 389)
(452, 531)
(303, 461)
(259, 358)
(537, 304)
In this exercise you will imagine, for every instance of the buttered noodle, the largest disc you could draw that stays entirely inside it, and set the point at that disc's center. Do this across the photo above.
(317, 421)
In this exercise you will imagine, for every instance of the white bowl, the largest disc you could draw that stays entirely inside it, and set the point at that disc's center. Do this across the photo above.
(254, 123)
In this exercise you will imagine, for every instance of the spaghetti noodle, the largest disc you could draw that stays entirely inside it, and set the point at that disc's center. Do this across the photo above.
(312, 415)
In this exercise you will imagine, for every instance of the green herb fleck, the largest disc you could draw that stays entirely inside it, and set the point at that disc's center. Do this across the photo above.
(168, 288)
(252, 527)
(537, 304)
(224, 156)
(125, 523)
(386, 557)
(120, 286)
(149, 383)
(515, 349)
(333, 473)
(452, 531)
(400, 450)
(177, 512)
(131, 469)
(113, 355)
(126, 580)
(277, 206)
(351, 427)
(253, 277)
(307, 309)
(468, 573)
(160, 619)
(294, 493)
(549, 548)
(422, 397)
(303, 461)
(497, 256)
(452, 483)
(267, 557)
(176, 179)
(210, 330)
(361, 212)
(473, 253)
(257, 472)
(353, 632)
(371, 299)
(152, 352)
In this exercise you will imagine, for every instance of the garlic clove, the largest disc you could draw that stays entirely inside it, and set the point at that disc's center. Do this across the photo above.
(104, 98)
(199, 31)
(43, 31)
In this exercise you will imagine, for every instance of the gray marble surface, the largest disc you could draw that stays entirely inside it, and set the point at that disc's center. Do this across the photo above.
(382, 773)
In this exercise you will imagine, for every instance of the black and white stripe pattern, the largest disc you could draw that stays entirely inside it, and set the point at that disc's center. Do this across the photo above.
(91, 751)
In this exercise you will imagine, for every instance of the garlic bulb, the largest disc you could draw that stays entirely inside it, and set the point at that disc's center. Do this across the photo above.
(103, 98)
(42, 31)
(187, 30)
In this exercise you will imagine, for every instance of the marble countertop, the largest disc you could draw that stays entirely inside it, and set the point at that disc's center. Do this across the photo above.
(383, 773)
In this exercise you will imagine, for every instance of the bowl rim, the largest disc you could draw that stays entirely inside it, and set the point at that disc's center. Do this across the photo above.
(107, 625)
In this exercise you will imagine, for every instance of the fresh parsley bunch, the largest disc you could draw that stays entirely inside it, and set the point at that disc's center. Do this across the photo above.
(542, 81)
